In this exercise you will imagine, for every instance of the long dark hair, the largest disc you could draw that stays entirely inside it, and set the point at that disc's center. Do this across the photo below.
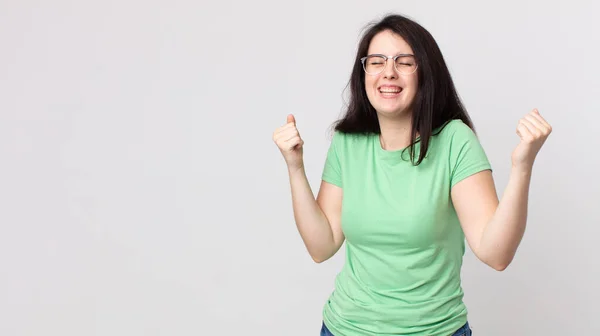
(436, 101)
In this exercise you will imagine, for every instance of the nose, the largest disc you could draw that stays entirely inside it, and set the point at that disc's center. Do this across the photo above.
(390, 70)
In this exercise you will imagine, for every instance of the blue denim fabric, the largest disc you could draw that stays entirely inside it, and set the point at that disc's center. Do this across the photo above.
(465, 330)
(325, 331)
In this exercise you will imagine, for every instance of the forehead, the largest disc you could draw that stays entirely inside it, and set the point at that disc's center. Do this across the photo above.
(389, 43)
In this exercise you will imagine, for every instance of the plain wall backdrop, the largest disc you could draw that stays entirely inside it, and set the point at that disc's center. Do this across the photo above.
(141, 192)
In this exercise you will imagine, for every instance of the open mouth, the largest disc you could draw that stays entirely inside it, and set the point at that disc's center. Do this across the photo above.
(390, 90)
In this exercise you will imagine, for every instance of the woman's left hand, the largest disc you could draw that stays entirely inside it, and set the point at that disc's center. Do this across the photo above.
(533, 131)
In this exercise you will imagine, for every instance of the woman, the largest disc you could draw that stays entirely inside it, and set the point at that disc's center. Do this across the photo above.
(404, 183)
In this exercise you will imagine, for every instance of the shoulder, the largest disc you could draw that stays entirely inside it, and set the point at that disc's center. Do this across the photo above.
(350, 145)
(456, 127)
(457, 132)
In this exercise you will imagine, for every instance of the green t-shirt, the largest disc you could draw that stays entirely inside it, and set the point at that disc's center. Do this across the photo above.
(404, 243)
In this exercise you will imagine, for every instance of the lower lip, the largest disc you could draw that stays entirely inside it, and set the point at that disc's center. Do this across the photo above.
(389, 95)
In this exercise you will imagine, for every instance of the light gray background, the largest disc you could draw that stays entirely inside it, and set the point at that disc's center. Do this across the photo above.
(141, 192)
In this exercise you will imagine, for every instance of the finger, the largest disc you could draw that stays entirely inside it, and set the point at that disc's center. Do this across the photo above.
(536, 114)
(536, 123)
(283, 142)
(530, 127)
(287, 127)
(290, 125)
(294, 142)
(282, 132)
(293, 136)
(285, 132)
(291, 119)
(523, 132)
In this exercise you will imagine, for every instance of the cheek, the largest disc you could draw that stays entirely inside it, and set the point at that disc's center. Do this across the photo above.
(370, 82)
(412, 83)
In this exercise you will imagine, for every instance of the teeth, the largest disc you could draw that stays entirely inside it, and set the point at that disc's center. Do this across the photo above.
(382, 90)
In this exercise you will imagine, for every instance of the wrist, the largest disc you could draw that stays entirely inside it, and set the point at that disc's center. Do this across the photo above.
(296, 170)
(522, 170)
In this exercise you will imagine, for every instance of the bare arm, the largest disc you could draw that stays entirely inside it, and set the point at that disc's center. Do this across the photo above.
(494, 229)
(318, 221)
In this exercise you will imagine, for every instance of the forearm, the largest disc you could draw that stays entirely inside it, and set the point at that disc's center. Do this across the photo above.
(504, 232)
(311, 222)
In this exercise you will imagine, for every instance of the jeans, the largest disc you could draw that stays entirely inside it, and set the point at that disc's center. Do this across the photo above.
(465, 330)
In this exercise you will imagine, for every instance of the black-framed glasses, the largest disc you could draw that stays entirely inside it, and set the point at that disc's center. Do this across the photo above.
(374, 64)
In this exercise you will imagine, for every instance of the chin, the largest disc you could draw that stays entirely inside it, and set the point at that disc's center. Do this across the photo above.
(391, 112)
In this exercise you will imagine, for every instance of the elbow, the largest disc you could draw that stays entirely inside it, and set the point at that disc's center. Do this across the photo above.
(319, 259)
(324, 253)
(499, 266)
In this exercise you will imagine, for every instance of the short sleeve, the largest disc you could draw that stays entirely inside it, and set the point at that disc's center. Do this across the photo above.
(332, 169)
(467, 155)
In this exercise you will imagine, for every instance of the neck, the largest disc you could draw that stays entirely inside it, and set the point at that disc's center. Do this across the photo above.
(395, 133)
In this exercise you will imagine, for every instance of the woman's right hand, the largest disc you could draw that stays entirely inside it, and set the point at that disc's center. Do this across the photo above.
(290, 143)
